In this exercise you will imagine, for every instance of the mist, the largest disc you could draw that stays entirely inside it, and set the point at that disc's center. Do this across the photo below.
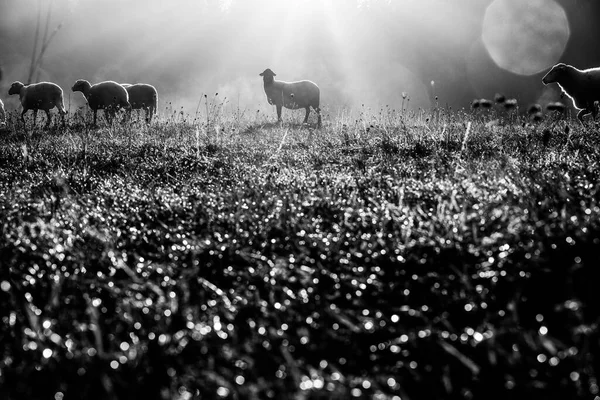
(362, 54)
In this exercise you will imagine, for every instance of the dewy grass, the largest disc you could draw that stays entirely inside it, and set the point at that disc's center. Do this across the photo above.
(377, 257)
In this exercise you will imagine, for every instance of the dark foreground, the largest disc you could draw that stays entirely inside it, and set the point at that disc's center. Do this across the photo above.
(386, 258)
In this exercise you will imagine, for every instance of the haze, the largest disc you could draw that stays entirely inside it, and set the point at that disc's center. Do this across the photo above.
(359, 52)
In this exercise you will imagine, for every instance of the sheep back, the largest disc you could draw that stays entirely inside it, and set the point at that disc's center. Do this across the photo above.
(588, 90)
(141, 95)
(107, 94)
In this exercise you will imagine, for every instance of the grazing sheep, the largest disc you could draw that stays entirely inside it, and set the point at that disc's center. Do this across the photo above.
(142, 95)
(534, 108)
(510, 104)
(292, 95)
(485, 103)
(581, 86)
(106, 95)
(39, 96)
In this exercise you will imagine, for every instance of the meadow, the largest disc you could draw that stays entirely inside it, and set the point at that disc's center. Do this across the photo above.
(392, 254)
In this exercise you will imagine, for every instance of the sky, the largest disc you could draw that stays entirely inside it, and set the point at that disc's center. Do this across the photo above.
(363, 54)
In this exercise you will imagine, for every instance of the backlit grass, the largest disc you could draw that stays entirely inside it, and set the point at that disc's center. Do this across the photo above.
(396, 255)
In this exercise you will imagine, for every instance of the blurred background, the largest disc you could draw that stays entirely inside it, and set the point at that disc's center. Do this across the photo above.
(360, 52)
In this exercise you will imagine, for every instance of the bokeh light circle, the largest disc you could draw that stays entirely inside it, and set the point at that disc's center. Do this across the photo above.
(525, 36)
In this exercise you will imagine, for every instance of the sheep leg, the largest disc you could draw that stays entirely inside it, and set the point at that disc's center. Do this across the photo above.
(306, 116)
(23, 115)
(127, 106)
(48, 118)
(152, 113)
(62, 111)
(318, 110)
(279, 112)
(34, 117)
(95, 116)
(126, 117)
(108, 116)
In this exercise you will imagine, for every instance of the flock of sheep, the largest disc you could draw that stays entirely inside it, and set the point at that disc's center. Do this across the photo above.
(109, 96)
(582, 86)
(112, 96)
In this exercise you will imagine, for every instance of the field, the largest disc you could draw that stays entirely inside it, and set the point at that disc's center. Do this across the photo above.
(388, 255)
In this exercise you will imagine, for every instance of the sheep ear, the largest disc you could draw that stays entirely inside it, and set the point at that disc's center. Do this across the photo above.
(261, 74)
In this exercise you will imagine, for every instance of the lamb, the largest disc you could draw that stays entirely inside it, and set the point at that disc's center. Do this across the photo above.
(39, 96)
(107, 95)
(292, 95)
(142, 95)
(581, 86)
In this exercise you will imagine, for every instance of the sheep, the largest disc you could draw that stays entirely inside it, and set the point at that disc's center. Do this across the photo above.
(292, 95)
(107, 95)
(142, 95)
(510, 104)
(499, 98)
(39, 96)
(483, 103)
(534, 109)
(581, 86)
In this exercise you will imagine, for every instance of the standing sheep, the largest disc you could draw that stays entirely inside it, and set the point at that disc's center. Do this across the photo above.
(39, 96)
(292, 95)
(142, 95)
(106, 95)
(581, 86)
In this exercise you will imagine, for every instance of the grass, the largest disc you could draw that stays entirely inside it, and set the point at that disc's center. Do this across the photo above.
(398, 255)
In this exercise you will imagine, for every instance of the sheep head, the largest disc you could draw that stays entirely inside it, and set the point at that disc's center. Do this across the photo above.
(268, 75)
(267, 72)
(81, 85)
(555, 73)
(15, 88)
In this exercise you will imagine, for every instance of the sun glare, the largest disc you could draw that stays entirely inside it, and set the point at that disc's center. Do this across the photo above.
(525, 37)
